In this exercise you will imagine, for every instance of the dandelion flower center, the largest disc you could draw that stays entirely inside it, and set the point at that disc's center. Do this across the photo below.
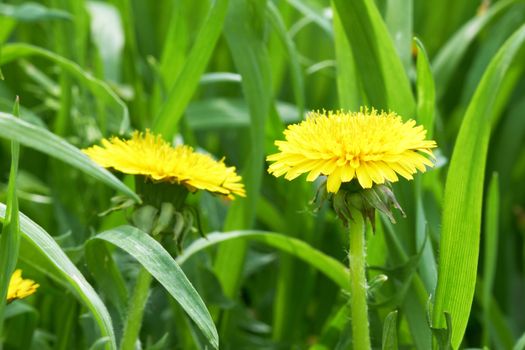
(151, 156)
(371, 146)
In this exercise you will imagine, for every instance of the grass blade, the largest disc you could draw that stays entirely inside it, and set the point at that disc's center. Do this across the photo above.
(332, 268)
(44, 141)
(97, 87)
(450, 55)
(10, 239)
(40, 240)
(460, 234)
(161, 265)
(167, 120)
(384, 80)
(390, 332)
(490, 253)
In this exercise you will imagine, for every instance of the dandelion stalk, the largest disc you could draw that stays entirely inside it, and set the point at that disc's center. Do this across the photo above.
(136, 308)
(357, 265)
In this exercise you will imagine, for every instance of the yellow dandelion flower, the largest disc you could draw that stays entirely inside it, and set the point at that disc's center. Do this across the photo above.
(371, 146)
(20, 288)
(151, 156)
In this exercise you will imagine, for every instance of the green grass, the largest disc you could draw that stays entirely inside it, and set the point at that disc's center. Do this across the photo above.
(227, 77)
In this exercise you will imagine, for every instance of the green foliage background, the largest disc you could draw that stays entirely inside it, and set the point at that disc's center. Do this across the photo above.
(226, 76)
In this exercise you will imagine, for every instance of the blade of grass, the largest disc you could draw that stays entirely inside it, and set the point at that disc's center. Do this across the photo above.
(332, 268)
(154, 258)
(44, 141)
(348, 79)
(244, 30)
(40, 240)
(277, 22)
(167, 120)
(451, 54)
(425, 116)
(99, 88)
(384, 80)
(390, 332)
(10, 238)
(490, 252)
(459, 244)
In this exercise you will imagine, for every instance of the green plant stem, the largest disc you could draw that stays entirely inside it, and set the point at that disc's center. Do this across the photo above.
(357, 264)
(136, 310)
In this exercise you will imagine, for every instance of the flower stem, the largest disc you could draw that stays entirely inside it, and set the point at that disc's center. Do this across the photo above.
(357, 264)
(136, 310)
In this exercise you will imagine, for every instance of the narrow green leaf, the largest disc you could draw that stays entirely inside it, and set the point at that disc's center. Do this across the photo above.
(30, 12)
(44, 141)
(451, 54)
(520, 344)
(40, 240)
(244, 29)
(426, 90)
(384, 80)
(491, 250)
(119, 121)
(348, 79)
(460, 233)
(105, 271)
(332, 268)
(390, 332)
(150, 254)
(10, 238)
(166, 122)
(297, 76)
(425, 116)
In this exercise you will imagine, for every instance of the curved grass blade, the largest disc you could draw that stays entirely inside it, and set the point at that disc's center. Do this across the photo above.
(460, 233)
(99, 88)
(40, 240)
(150, 254)
(384, 79)
(332, 268)
(44, 141)
(167, 120)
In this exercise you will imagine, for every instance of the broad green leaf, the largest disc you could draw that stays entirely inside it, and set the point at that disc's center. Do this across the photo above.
(40, 240)
(390, 332)
(150, 254)
(120, 121)
(459, 245)
(166, 122)
(384, 79)
(332, 268)
(44, 141)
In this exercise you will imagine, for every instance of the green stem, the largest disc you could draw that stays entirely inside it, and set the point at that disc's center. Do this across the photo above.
(136, 310)
(357, 264)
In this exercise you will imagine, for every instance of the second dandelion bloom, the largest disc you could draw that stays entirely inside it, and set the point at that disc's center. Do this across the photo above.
(370, 146)
(151, 156)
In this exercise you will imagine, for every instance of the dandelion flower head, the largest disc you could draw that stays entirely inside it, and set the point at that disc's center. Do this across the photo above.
(151, 156)
(20, 288)
(370, 146)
